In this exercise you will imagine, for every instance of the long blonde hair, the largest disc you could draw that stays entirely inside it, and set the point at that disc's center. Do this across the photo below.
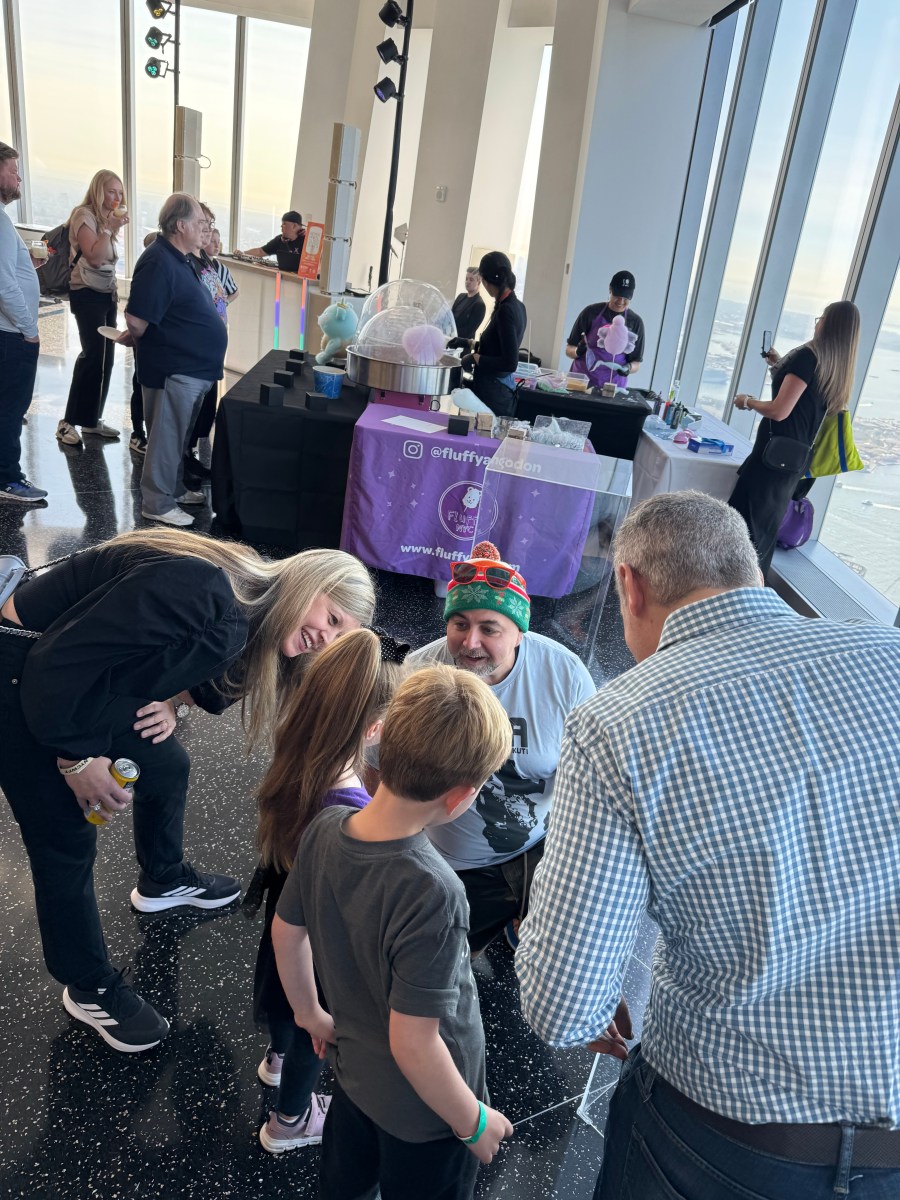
(275, 597)
(835, 347)
(93, 201)
(345, 690)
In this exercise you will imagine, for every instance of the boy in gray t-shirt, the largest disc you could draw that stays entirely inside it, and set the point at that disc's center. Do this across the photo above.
(373, 904)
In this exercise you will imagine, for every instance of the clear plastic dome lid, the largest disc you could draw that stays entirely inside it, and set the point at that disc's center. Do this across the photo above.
(393, 311)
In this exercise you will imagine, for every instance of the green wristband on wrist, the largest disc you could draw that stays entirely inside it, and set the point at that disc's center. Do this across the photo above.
(480, 1128)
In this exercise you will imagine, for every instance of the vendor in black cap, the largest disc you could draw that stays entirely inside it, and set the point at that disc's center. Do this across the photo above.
(287, 247)
(496, 355)
(587, 343)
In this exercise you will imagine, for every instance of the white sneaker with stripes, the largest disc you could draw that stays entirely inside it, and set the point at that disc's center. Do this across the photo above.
(196, 888)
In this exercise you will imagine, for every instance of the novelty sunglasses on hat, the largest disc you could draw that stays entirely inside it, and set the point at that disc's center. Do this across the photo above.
(496, 577)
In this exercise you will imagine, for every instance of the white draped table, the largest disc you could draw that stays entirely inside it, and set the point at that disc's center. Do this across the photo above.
(664, 466)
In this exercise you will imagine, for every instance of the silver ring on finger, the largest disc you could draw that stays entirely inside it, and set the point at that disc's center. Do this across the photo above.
(95, 807)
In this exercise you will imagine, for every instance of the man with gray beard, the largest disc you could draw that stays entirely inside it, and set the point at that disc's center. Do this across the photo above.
(496, 845)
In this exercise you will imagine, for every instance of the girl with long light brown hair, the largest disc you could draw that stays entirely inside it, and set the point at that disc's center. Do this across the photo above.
(318, 763)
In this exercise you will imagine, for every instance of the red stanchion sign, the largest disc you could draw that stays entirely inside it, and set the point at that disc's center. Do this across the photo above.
(312, 250)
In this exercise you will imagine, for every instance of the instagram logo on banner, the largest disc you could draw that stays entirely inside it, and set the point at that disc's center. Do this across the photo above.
(412, 449)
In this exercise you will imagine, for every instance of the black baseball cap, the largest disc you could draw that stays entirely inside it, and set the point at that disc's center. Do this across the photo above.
(294, 216)
(622, 284)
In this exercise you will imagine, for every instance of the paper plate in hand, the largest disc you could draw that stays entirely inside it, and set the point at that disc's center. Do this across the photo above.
(110, 331)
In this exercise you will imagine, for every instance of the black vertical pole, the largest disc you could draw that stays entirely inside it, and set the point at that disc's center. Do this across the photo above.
(384, 269)
(177, 67)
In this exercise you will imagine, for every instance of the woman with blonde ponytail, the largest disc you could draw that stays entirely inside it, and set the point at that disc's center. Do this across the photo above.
(318, 762)
(808, 383)
(97, 654)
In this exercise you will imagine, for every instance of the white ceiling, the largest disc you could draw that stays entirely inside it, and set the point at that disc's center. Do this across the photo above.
(523, 14)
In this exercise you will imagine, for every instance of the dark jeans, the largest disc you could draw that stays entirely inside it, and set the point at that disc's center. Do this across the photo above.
(498, 894)
(90, 379)
(301, 1069)
(655, 1150)
(18, 368)
(496, 395)
(62, 845)
(358, 1156)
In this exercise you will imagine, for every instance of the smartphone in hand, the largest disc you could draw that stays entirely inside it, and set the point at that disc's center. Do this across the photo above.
(767, 342)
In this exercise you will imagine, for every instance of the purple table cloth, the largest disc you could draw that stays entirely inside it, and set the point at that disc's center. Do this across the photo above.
(413, 499)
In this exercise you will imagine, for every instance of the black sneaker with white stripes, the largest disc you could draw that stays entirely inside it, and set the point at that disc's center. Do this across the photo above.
(124, 1020)
(192, 887)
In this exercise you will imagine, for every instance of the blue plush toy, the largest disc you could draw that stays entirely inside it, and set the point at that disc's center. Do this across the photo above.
(338, 324)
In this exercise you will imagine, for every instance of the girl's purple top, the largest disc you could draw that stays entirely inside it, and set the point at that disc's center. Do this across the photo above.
(353, 797)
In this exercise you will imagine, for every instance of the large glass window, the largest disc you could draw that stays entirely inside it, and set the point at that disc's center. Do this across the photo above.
(276, 70)
(862, 524)
(207, 84)
(6, 133)
(736, 47)
(73, 100)
(847, 164)
(782, 78)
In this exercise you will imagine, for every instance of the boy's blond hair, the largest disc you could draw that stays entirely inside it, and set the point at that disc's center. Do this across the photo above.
(444, 728)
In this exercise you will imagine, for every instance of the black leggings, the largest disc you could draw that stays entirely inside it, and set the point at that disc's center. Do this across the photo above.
(301, 1069)
(93, 367)
(62, 845)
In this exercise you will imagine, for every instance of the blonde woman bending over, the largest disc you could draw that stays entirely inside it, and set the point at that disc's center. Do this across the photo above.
(131, 631)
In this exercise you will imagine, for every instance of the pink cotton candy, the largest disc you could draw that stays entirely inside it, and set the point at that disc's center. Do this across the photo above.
(424, 344)
(616, 340)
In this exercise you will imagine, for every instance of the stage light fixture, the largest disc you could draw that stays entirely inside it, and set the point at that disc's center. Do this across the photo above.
(392, 14)
(388, 52)
(156, 39)
(156, 68)
(159, 8)
(385, 89)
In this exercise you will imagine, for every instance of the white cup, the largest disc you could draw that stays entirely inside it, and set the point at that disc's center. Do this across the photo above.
(38, 250)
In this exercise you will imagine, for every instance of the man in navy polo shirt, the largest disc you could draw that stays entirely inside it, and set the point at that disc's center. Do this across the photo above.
(179, 341)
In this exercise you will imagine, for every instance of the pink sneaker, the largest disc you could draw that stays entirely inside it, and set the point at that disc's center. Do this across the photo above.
(269, 1070)
(278, 1135)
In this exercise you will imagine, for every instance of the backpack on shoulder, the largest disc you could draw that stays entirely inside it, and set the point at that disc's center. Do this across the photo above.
(56, 272)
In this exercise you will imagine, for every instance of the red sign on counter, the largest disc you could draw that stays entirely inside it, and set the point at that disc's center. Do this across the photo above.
(312, 250)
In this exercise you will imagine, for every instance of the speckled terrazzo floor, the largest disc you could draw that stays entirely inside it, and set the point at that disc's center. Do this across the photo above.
(80, 1120)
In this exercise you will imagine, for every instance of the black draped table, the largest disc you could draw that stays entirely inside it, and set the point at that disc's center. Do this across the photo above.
(279, 473)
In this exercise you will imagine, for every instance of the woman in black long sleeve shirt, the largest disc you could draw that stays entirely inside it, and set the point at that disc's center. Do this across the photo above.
(128, 628)
(498, 349)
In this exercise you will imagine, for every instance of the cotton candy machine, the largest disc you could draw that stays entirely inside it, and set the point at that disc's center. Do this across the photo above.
(400, 351)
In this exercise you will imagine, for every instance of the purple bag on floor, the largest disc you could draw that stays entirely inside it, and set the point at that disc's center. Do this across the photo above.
(796, 528)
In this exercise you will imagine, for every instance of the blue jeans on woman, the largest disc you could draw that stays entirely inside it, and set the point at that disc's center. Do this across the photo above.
(18, 368)
(656, 1150)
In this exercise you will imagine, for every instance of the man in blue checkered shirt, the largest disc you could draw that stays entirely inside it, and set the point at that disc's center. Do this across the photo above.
(740, 784)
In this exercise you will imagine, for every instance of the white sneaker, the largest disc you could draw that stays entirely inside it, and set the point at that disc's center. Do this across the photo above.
(175, 516)
(101, 429)
(68, 434)
(192, 498)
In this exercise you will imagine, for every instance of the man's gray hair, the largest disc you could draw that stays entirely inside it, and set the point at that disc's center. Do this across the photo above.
(179, 207)
(7, 152)
(683, 541)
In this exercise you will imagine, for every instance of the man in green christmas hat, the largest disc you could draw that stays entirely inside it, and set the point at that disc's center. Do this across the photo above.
(496, 845)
